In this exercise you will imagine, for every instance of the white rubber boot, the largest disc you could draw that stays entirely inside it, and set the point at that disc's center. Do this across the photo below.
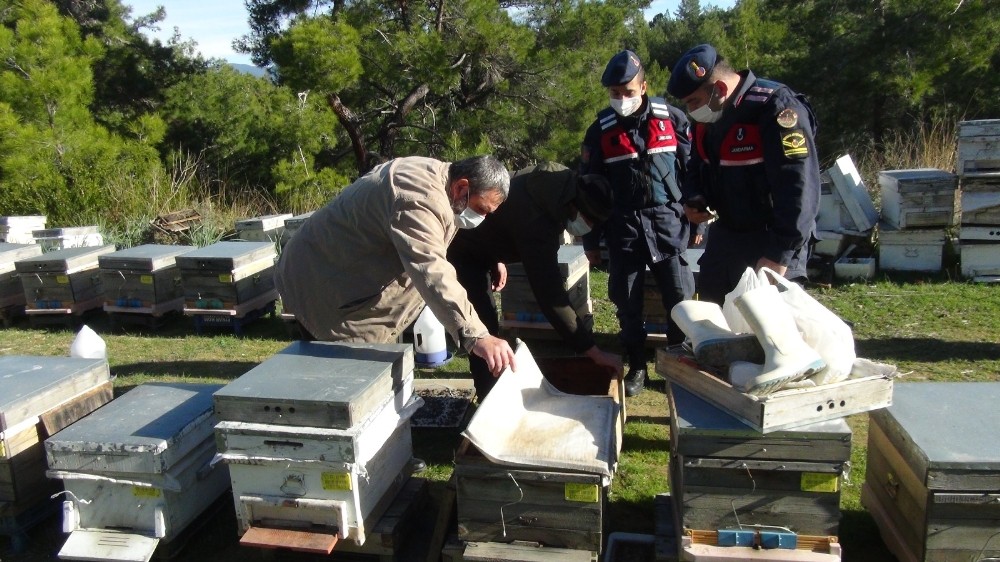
(787, 357)
(714, 344)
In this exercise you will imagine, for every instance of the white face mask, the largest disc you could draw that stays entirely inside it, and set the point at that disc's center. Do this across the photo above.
(578, 226)
(705, 114)
(468, 219)
(626, 106)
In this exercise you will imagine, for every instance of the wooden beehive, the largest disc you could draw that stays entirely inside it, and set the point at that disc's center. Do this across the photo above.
(223, 275)
(724, 473)
(980, 200)
(18, 229)
(267, 228)
(978, 147)
(317, 437)
(138, 471)
(918, 198)
(932, 480)
(66, 279)
(67, 237)
(11, 291)
(292, 225)
(553, 507)
(143, 278)
(518, 300)
(38, 397)
(911, 249)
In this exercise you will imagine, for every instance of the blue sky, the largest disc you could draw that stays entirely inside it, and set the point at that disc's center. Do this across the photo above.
(213, 24)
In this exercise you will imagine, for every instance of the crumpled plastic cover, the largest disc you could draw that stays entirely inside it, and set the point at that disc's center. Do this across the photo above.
(525, 421)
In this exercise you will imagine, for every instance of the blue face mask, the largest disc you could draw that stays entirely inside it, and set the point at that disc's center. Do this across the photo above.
(578, 226)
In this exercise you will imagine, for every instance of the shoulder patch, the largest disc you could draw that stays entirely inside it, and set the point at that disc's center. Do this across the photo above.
(794, 144)
(787, 118)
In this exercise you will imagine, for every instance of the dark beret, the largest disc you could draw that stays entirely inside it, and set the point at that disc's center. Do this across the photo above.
(691, 71)
(621, 69)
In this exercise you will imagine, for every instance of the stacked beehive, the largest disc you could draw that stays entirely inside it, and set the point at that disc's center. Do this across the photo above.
(846, 220)
(267, 228)
(11, 291)
(978, 168)
(67, 237)
(317, 439)
(227, 283)
(62, 283)
(143, 280)
(932, 479)
(918, 205)
(292, 225)
(518, 301)
(18, 229)
(39, 396)
(137, 472)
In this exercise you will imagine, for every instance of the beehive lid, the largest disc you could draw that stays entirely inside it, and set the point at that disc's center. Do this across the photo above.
(297, 220)
(147, 257)
(944, 427)
(23, 221)
(66, 260)
(146, 430)
(317, 384)
(266, 222)
(30, 386)
(851, 191)
(11, 253)
(226, 256)
(917, 180)
(697, 423)
(979, 128)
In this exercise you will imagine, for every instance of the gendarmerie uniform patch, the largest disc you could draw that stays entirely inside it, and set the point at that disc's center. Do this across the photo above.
(788, 118)
(794, 144)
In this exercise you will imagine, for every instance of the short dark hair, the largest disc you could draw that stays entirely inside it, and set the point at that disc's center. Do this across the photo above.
(485, 174)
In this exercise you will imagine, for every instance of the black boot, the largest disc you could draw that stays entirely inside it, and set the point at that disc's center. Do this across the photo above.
(635, 380)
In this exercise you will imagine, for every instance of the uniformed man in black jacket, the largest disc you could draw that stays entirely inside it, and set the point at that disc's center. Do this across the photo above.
(640, 144)
(544, 202)
(753, 165)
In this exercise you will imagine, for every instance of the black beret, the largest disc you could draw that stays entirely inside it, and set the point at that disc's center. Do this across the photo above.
(692, 70)
(621, 69)
(593, 197)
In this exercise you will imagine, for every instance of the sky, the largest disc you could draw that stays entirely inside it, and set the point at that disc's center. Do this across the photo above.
(213, 24)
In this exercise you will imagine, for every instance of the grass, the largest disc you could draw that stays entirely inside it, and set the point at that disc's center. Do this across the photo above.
(932, 328)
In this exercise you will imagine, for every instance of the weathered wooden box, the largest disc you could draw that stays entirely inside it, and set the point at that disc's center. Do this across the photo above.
(518, 300)
(143, 278)
(137, 471)
(980, 200)
(978, 147)
(226, 274)
(267, 228)
(980, 251)
(63, 279)
(918, 198)
(67, 237)
(932, 480)
(18, 229)
(292, 225)
(38, 397)
(552, 507)
(724, 473)
(784, 409)
(11, 290)
(911, 249)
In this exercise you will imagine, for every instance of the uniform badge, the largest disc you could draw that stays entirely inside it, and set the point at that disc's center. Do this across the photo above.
(794, 144)
(788, 118)
(662, 125)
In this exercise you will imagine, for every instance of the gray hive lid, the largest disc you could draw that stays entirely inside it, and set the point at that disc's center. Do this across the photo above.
(298, 220)
(147, 257)
(697, 419)
(317, 384)
(11, 253)
(65, 260)
(30, 386)
(226, 256)
(146, 430)
(945, 426)
(917, 180)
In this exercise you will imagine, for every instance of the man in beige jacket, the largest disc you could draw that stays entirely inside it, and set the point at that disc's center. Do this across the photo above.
(362, 267)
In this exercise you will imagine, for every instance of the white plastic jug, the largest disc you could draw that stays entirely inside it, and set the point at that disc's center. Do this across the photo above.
(429, 344)
(88, 345)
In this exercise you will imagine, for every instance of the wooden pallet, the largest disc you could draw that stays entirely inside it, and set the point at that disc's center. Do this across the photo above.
(68, 317)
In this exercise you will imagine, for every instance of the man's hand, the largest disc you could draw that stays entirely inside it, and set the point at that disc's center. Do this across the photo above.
(696, 215)
(609, 361)
(496, 352)
(776, 267)
(593, 257)
(498, 277)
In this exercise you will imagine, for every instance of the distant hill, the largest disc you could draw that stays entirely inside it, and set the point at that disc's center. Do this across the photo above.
(250, 69)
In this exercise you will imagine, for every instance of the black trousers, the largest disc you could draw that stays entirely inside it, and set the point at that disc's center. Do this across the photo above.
(475, 278)
(728, 254)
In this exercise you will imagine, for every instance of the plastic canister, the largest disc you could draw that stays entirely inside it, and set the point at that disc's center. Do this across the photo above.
(429, 344)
